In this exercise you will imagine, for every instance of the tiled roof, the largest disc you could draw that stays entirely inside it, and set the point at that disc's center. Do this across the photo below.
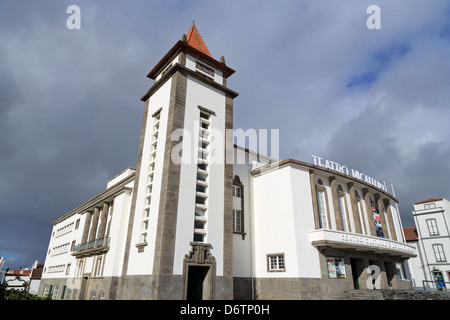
(429, 200)
(37, 272)
(194, 44)
(18, 272)
(410, 233)
(194, 39)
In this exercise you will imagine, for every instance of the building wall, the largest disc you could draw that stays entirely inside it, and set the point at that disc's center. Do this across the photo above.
(141, 262)
(64, 270)
(200, 94)
(426, 263)
(282, 217)
(284, 205)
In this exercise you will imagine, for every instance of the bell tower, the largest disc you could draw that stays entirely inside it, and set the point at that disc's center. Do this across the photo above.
(180, 226)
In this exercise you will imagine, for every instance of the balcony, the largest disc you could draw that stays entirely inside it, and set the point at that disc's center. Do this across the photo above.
(91, 248)
(323, 238)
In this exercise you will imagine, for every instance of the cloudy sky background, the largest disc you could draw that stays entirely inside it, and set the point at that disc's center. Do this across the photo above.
(70, 110)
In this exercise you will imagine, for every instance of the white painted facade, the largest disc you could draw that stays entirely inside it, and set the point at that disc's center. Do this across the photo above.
(60, 263)
(432, 220)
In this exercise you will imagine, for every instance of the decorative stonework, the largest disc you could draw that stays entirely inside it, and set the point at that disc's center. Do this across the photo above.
(140, 246)
(199, 254)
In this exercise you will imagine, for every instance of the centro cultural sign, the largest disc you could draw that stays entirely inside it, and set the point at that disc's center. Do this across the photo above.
(375, 242)
(332, 165)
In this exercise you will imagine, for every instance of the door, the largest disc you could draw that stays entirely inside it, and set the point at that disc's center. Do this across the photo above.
(196, 279)
(355, 274)
(440, 284)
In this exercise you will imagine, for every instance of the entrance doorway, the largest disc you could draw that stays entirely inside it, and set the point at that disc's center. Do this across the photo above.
(355, 273)
(196, 282)
(439, 279)
(199, 272)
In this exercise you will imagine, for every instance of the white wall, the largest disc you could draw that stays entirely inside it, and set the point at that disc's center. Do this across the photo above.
(282, 218)
(113, 260)
(63, 258)
(190, 63)
(426, 240)
(142, 262)
(200, 94)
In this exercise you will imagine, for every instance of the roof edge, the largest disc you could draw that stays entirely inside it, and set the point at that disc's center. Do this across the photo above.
(429, 200)
(180, 45)
(288, 162)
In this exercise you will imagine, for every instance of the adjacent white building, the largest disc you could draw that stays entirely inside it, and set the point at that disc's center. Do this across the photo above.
(201, 218)
(431, 268)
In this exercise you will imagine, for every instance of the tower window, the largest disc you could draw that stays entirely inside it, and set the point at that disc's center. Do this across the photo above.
(204, 115)
(439, 252)
(432, 227)
(209, 71)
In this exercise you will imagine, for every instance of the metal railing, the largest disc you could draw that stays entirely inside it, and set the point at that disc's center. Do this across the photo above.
(104, 242)
(434, 285)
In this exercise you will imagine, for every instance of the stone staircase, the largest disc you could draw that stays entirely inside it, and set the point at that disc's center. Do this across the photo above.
(392, 295)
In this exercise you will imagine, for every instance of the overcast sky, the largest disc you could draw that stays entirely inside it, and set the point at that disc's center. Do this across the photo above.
(376, 100)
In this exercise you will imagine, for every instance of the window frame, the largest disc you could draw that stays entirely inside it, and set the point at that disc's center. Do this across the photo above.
(432, 227)
(280, 262)
(237, 191)
(323, 214)
(439, 254)
(237, 215)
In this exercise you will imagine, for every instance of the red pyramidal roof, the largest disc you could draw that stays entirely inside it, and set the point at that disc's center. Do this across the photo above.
(194, 39)
(192, 42)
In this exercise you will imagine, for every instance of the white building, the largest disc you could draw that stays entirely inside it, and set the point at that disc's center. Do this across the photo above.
(2, 273)
(431, 236)
(200, 218)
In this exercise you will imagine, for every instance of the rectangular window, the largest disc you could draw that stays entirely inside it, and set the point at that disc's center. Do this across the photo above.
(55, 292)
(237, 220)
(200, 200)
(204, 68)
(275, 262)
(343, 212)
(198, 224)
(199, 237)
(80, 269)
(46, 290)
(432, 227)
(322, 210)
(439, 252)
(400, 273)
(430, 206)
(236, 191)
(336, 268)
(98, 267)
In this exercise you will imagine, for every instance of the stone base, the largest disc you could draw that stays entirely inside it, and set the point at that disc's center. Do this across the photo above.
(138, 287)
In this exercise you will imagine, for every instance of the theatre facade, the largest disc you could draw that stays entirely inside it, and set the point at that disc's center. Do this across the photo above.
(185, 223)
(319, 232)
